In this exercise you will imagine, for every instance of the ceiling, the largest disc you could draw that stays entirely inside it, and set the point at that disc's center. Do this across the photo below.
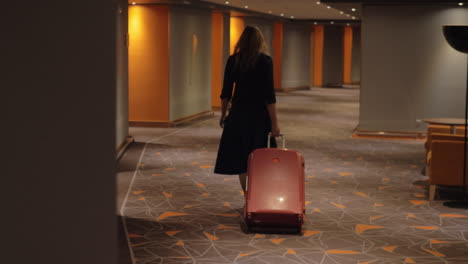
(296, 9)
(284, 9)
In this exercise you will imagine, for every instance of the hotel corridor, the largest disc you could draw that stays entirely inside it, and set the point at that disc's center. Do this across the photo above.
(366, 199)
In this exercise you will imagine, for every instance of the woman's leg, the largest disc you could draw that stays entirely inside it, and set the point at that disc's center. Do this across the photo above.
(243, 179)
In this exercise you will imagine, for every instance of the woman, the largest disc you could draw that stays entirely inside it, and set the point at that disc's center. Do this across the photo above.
(253, 113)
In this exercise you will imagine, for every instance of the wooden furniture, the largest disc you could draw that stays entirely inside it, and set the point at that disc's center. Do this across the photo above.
(451, 122)
(445, 161)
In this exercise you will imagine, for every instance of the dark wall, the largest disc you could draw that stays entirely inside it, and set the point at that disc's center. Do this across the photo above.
(333, 56)
(122, 75)
(226, 38)
(356, 56)
(58, 131)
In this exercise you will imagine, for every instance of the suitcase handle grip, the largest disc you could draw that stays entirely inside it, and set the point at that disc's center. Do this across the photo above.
(283, 140)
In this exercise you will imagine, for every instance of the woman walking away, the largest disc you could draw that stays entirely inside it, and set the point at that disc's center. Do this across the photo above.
(249, 72)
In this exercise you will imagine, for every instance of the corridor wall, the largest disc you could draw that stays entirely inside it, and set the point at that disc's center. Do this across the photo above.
(409, 64)
(220, 48)
(277, 54)
(317, 57)
(148, 64)
(226, 37)
(296, 59)
(169, 64)
(266, 26)
(237, 25)
(190, 62)
(347, 54)
(59, 109)
(333, 56)
(122, 76)
(356, 56)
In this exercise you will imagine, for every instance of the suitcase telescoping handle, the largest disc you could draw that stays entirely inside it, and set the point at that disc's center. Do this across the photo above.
(283, 140)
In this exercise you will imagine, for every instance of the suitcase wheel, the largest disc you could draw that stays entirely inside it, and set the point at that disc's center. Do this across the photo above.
(299, 231)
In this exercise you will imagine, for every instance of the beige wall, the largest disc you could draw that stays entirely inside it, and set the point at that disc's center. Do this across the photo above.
(296, 60)
(190, 62)
(409, 72)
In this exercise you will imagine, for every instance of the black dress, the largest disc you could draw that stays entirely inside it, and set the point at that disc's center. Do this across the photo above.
(248, 123)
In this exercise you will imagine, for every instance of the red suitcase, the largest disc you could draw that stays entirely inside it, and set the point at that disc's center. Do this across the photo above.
(275, 190)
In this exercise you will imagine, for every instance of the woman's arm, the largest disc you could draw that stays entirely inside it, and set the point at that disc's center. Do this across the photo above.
(271, 99)
(275, 130)
(226, 93)
(224, 107)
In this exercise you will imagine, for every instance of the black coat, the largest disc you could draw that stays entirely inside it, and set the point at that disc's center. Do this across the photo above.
(248, 123)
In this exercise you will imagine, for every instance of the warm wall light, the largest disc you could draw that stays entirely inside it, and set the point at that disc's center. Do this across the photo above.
(341, 12)
(332, 22)
(133, 3)
(315, 23)
(246, 6)
(460, 4)
(318, 3)
(328, 7)
(353, 9)
(237, 25)
(292, 16)
(354, 17)
(227, 2)
(282, 14)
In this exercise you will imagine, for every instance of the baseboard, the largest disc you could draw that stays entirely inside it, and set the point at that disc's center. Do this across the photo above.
(124, 146)
(178, 122)
(351, 86)
(333, 85)
(290, 89)
(193, 118)
(358, 133)
(150, 124)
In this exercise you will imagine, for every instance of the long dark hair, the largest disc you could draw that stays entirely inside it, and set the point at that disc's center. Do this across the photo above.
(251, 43)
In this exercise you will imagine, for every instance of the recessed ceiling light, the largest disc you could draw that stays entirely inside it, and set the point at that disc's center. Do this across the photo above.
(282, 14)
(246, 6)
(318, 3)
(328, 7)
(353, 9)
(292, 16)
(460, 4)
(332, 22)
(348, 15)
(348, 24)
(133, 3)
(341, 12)
(315, 23)
(227, 2)
(269, 12)
(354, 17)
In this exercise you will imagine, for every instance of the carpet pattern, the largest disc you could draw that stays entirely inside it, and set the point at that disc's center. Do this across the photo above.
(366, 199)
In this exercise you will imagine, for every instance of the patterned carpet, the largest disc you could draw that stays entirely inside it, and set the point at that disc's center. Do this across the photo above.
(366, 198)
